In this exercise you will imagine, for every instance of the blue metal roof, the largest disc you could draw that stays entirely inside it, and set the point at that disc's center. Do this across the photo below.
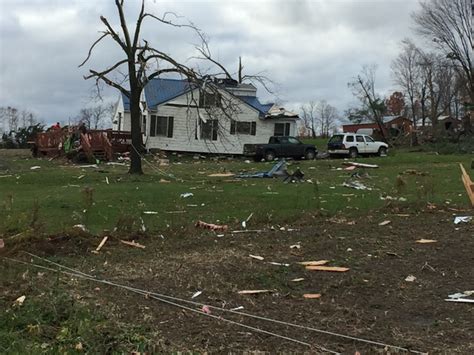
(256, 104)
(159, 91)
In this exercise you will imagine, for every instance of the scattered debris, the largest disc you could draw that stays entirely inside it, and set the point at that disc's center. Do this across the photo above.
(278, 264)
(462, 219)
(81, 227)
(356, 185)
(390, 198)
(295, 246)
(104, 240)
(258, 257)
(164, 181)
(132, 244)
(211, 226)
(414, 172)
(197, 293)
(107, 180)
(461, 297)
(299, 279)
(244, 223)
(80, 177)
(426, 241)
(313, 263)
(206, 309)
(350, 168)
(19, 301)
(35, 167)
(312, 295)
(237, 308)
(247, 231)
(221, 175)
(186, 195)
(150, 212)
(2, 244)
(410, 278)
(327, 268)
(360, 165)
(277, 170)
(115, 163)
(468, 184)
(384, 223)
(79, 346)
(253, 292)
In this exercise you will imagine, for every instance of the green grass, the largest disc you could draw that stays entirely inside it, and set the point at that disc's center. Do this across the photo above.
(320, 143)
(52, 199)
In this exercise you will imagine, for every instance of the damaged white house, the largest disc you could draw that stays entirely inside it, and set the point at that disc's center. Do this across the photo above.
(176, 117)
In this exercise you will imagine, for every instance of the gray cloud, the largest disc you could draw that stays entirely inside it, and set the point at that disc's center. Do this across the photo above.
(310, 48)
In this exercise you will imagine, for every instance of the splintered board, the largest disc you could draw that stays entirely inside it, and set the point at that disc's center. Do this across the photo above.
(468, 184)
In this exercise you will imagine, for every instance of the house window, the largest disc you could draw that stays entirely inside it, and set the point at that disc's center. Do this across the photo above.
(161, 126)
(209, 99)
(282, 129)
(209, 129)
(143, 124)
(119, 121)
(237, 127)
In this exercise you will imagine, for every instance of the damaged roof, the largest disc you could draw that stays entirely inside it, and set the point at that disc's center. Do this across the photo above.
(159, 91)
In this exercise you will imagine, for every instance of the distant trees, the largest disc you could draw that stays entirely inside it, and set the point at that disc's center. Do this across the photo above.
(319, 116)
(19, 126)
(395, 104)
(446, 25)
(95, 117)
(372, 104)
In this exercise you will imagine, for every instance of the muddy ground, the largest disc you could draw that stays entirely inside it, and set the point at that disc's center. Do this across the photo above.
(372, 300)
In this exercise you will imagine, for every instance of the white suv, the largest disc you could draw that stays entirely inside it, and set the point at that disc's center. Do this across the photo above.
(354, 144)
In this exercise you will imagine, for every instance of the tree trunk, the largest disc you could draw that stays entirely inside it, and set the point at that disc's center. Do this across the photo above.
(137, 144)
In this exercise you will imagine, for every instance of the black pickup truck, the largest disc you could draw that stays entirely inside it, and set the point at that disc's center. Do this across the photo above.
(280, 147)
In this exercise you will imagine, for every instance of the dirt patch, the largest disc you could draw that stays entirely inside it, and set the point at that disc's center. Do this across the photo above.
(372, 300)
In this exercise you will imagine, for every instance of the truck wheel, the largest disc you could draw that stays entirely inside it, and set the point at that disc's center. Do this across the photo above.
(382, 151)
(310, 154)
(353, 153)
(270, 155)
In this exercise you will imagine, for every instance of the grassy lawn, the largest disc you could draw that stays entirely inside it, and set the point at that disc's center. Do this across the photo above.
(57, 196)
(62, 314)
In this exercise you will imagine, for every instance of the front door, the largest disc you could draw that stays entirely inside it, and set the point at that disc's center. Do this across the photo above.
(360, 143)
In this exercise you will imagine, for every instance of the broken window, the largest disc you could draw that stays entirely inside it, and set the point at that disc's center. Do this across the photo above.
(282, 129)
(237, 127)
(161, 126)
(209, 129)
(209, 99)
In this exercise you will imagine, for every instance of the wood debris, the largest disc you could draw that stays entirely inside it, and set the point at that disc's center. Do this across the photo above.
(211, 226)
(361, 165)
(221, 175)
(327, 268)
(384, 223)
(253, 292)
(425, 241)
(2, 244)
(132, 244)
(104, 240)
(468, 184)
(258, 257)
(312, 295)
(313, 263)
(299, 279)
(19, 301)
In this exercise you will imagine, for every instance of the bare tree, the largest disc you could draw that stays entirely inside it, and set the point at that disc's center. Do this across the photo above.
(326, 117)
(363, 87)
(447, 25)
(10, 117)
(308, 114)
(142, 63)
(93, 117)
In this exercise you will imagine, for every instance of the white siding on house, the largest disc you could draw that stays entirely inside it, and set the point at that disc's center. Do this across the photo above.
(186, 128)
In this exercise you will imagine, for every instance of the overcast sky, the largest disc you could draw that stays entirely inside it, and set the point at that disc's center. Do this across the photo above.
(311, 49)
